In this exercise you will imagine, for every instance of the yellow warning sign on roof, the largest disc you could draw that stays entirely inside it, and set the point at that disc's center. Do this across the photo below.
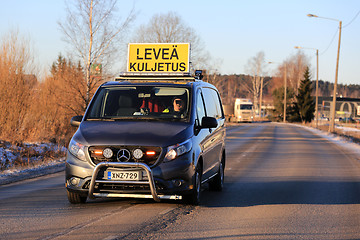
(159, 57)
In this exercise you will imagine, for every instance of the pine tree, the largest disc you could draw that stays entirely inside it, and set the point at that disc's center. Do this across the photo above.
(305, 105)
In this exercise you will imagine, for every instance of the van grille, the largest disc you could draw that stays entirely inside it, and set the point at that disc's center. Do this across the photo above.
(122, 188)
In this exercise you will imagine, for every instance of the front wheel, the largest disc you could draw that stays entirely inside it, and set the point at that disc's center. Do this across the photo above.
(194, 197)
(75, 198)
(217, 183)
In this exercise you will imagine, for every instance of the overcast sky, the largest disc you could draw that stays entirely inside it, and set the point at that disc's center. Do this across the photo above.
(233, 31)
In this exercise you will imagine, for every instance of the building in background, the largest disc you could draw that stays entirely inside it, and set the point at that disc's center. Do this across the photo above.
(345, 107)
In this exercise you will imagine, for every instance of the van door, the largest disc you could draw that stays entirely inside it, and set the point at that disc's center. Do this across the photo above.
(202, 134)
(214, 142)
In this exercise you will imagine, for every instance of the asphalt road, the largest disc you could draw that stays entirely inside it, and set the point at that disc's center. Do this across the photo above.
(281, 182)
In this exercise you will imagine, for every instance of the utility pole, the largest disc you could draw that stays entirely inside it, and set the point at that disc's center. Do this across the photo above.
(285, 83)
(261, 93)
(317, 89)
(333, 106)
(285, 89)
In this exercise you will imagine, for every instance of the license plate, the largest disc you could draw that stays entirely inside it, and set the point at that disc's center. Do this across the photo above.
(123, 175)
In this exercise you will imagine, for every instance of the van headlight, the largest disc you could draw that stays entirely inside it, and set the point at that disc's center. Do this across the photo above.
(177, 150)
(77, 149)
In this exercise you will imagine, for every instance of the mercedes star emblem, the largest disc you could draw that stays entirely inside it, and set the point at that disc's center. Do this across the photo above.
(123, 155)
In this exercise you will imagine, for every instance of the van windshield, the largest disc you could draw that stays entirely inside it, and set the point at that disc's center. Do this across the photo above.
(140, 102)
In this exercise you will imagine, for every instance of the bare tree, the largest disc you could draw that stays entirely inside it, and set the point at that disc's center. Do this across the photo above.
(211, 75)
(256, 69)
(297, 64)
(92, 30)
(16, 86)
(295, 68)
(59, 101)
(168, 28)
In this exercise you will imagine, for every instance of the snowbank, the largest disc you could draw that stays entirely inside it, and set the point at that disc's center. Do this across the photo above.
(29, 160)
(345, 143)
(15, 175)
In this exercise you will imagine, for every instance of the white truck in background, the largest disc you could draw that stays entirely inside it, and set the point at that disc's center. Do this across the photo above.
(243, 110)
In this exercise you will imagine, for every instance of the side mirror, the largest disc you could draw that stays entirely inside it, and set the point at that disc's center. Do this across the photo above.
(209, 122)
(75, 121)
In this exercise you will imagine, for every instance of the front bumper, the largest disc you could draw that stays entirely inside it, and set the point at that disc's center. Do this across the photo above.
(126, 165)
(170, 180)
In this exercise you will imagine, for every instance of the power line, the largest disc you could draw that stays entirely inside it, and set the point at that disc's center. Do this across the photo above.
(333, 38)
(352, 20)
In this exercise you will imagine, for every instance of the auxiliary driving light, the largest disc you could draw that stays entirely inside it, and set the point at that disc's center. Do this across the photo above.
(137, 153)
(107, 153)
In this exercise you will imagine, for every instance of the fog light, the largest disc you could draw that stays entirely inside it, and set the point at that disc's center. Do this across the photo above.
(74, 181)
(177, 182)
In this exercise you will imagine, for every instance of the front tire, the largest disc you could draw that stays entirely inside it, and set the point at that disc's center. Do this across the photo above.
(75, 198)
(217, 183)
(194, 197)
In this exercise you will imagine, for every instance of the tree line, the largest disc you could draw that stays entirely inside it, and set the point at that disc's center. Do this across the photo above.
(236, 86)
(35, 110)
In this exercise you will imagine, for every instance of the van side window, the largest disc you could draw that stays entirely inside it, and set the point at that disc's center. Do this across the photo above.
(217, 101)
(200, 110)
(212, 103)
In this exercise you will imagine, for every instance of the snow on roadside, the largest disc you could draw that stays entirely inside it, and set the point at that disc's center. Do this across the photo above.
(15, 175)
(40, 156)
(343, 142)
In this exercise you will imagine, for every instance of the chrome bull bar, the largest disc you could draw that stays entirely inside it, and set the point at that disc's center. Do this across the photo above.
(126, 166)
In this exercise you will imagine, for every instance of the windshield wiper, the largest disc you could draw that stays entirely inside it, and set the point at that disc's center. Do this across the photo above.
(100, 119)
